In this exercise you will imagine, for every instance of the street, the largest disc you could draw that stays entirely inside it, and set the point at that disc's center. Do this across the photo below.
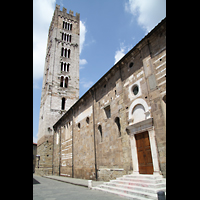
(47, 189)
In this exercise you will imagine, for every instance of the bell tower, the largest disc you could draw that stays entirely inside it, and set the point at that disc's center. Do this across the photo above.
(60, 89)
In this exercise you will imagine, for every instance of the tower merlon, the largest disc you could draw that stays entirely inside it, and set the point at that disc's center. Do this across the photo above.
(64, 12)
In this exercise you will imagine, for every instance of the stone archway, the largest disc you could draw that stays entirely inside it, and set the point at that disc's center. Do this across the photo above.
(140, 120)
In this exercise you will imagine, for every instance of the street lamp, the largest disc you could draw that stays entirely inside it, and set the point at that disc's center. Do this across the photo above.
(38, 159)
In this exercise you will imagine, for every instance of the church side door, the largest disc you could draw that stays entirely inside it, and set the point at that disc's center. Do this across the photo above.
(144, 153)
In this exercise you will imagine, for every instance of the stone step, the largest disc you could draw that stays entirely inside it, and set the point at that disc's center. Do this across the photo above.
(130, 192)
(139, 183)
(122, 194)
(137, 188)
(143, 180)
(144, 176)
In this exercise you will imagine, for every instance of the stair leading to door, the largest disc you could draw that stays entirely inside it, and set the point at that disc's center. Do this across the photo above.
(138, 187)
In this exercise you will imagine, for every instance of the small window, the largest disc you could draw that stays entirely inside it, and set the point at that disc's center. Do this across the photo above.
(117, 121)
(107, 111)
(61, 66)
(135, 89)
(68, 53)
(62, 52)
(61, 81)
(79, 125)
(100, 132)
(65, 52)
(68, 67)
(131, 64)
(64, 67)
(66, 82)
(63, 104)
(87, 120)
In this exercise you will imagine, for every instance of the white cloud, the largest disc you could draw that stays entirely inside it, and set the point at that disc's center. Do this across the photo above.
(86, 84)
(148, 12)
(120, 53)
(83, 62)
(83, 31)
(42, 16)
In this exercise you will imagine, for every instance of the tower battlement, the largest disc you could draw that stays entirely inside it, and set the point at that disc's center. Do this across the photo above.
(65, 14)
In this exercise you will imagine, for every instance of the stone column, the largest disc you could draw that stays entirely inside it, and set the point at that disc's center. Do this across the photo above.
(154, 152)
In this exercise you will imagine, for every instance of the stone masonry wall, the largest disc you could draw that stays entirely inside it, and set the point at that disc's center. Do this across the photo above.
(100, 142)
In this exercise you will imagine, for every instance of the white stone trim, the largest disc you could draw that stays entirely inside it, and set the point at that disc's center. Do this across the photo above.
(136, 102)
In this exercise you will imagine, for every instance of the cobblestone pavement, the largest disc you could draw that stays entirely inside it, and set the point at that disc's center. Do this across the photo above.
(48, 189)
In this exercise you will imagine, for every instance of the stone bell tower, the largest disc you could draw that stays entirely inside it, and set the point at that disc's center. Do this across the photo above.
(60, 88)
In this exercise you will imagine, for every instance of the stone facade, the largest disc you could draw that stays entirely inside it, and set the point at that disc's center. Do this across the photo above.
(60, 89)
(34, 155)
(96, 137)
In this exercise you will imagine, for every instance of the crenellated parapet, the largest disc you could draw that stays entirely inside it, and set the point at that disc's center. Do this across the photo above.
(64, 13)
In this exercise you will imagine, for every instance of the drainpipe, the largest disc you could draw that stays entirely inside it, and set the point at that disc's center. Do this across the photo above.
(72, 142)
(59, 151)
(95, 159)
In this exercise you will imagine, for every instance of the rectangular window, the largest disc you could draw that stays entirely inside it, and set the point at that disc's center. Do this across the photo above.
(107, 111)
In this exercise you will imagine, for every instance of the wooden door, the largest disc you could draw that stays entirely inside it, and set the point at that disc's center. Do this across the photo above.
(144, 153)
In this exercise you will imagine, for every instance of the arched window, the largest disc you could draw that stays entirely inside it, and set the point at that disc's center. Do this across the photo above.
(61, 81)
(66, 82)
(100, 132)
(70, 38)
(68, 67)
(88, 120)
(117, 121)
(69, 53)
(70, 26)
(65, 52)
(62, 52)
(63, 104)
(164, 98)
(64, 67)
(61, 66)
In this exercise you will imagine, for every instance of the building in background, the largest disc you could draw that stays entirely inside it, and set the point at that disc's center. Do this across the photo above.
(34, 155)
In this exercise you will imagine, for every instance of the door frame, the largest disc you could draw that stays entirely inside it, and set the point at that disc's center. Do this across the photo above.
(145, 125)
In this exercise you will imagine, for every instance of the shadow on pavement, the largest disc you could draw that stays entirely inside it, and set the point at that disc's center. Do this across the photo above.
(35, 181)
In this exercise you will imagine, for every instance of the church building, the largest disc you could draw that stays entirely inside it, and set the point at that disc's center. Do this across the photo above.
(118, 126)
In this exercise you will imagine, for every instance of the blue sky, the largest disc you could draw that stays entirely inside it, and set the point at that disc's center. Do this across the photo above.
(109, 29)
